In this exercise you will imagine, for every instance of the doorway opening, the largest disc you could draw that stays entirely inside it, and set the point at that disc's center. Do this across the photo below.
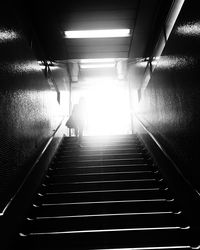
(108, 107)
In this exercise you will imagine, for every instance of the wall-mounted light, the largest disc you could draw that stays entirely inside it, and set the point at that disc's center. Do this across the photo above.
(189, 29)
(8, 35)
(97, 33)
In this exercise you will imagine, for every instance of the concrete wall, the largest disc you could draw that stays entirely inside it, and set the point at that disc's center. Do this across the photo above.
(29, 110)
(170, 106)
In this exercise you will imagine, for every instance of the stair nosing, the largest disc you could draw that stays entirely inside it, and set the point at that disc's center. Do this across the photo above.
(107, 191)
(100, 160)
(98, 182)
(105, 202)
(108, 230)
(105, 173)
(102, 215)
(104, 166)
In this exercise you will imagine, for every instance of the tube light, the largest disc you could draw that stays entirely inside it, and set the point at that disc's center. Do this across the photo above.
(97, 33)
(97, 65)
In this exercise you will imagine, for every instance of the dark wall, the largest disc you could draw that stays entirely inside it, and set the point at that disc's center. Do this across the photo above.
(29, 110)
(170, 107)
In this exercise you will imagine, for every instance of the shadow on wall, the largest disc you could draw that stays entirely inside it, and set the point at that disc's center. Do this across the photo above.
(29, 111)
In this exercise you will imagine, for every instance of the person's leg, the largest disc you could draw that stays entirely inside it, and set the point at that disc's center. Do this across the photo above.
(76, 132)
(80, 135)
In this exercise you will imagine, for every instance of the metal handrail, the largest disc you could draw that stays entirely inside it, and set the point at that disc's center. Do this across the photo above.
(33, 166)
(167, 156)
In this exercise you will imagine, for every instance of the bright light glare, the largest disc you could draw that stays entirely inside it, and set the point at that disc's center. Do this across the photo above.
(98, 60)
(8, 35)
(97, 65)
(108, 111)
(190, 29)
(97, 33)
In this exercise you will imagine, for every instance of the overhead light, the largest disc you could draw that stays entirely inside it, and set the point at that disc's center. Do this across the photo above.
(98, 60)
(97, 65)
(97, 33)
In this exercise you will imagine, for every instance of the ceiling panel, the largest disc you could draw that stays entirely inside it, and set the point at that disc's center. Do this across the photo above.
(99, 19)
(51, 18)
(98, 41)
(116, 54)
(102, 15)
(98, 49)
(92, 73)
(85, 5)
(121, 13)
(100, 24)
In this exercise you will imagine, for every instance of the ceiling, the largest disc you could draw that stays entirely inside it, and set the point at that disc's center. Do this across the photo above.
(100, 18)
(51, 18)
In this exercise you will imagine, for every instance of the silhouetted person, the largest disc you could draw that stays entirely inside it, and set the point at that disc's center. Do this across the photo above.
(77, 119)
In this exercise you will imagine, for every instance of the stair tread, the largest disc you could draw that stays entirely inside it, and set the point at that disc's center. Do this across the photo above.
(103, 196)
(96, 161)
(113, 239)
(97, 157)
(103, 185)
(92, 151)
(102, 176)
(99, 148)
(111, 207)
(96, 169)
(114, 221)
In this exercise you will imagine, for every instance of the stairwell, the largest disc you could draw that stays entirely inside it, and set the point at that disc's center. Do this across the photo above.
(106, 194)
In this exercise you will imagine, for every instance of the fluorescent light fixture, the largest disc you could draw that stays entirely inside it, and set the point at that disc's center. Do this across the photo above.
(98, 60)
(97, 65)
(97, 33)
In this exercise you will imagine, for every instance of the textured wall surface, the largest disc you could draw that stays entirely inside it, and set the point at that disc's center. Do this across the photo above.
(29, 111)
(170, 107)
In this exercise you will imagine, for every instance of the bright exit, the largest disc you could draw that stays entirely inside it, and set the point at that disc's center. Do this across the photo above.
(108, 109)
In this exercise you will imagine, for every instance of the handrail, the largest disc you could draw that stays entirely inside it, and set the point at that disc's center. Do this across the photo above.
(33, 166)
(162, 40)
(167, 156)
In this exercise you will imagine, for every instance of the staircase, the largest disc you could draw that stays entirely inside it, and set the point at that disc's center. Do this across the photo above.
(106, 194)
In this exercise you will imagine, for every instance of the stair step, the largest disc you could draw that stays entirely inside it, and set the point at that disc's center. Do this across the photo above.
(102, 144)
(88, 186)
(102, 176)
(101, 147)
(90, 139)
(105, 196)
(63, 169)
(57, 174)
(109, 207)
(100, 162)
(99, 156)
(103, 141)
(116, 239)
(81, 151)
(124, 221)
